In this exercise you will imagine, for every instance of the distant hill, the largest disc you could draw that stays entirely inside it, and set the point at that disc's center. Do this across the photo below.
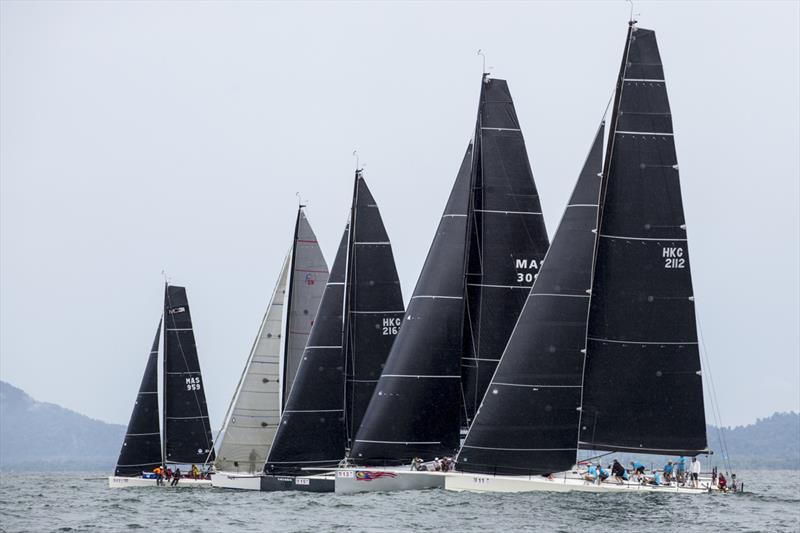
(44, 436)
(772, 442)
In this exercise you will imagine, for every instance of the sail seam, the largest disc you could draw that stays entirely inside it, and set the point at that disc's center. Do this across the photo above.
(564, 295)
(419, 376)
(507, 212)
(665, 134)
(539, 386)
(397, 442)
(639, 342)
(670, 239)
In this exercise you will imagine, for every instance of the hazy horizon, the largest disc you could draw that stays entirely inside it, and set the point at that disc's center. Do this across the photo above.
(139, 137)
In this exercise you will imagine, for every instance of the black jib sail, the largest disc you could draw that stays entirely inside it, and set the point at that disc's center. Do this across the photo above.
(643, 388)
(187, 431)
(310, 432)
(374, 305)
(141, 449)
(528, 420)
(414, 411)
(507, 242)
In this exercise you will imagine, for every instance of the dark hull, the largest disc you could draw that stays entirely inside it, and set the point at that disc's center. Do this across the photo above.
(297, 483)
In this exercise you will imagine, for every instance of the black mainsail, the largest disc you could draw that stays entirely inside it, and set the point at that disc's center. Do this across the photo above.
(187, 431)
(373, 304)
(643, 387)
(141, 449)
(415, 410)
(356, 323)
(507, 239)
(528, 420)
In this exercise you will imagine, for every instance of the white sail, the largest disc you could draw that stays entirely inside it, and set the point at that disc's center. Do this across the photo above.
(308, 280)
(254, 413)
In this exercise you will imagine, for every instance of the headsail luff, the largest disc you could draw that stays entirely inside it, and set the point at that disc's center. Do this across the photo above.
(187, 431)
(255, 409)
(528, 420)
(414, 411)
(311, 431)
(507, 239)
(642, 388)
(141, 449)
(374, 306)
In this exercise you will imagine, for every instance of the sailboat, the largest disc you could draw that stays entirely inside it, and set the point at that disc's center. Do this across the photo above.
(185, 436)
(480, 267)
(358, 318)
(604, 356)
(254, 412)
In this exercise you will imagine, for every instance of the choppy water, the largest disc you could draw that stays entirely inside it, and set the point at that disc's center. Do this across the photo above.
(82, 502)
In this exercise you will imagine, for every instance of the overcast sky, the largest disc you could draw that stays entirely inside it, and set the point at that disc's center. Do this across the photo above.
(141, 136)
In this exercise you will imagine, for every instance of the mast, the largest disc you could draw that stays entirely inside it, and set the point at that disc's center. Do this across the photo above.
(288, 310)
(346, 333)
(642, 385)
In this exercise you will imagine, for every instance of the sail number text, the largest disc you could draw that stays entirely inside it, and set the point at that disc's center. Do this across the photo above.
(526, 264)
(673, 257)
(193, 383)
(391, 325)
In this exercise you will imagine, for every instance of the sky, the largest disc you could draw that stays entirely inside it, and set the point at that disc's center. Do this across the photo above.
(141, 137)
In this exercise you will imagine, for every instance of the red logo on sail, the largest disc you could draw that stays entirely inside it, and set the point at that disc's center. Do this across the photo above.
(364, 475)
(310, 279)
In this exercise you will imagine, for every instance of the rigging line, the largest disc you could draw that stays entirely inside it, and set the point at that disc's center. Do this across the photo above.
(207, 430)
(714, 402)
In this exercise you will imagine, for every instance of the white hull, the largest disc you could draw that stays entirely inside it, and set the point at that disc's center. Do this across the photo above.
(119, 482)
(563, 482)
(230, 480)
(354, 480)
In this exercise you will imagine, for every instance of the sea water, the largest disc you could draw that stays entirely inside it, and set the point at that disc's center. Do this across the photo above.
(41, 502)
